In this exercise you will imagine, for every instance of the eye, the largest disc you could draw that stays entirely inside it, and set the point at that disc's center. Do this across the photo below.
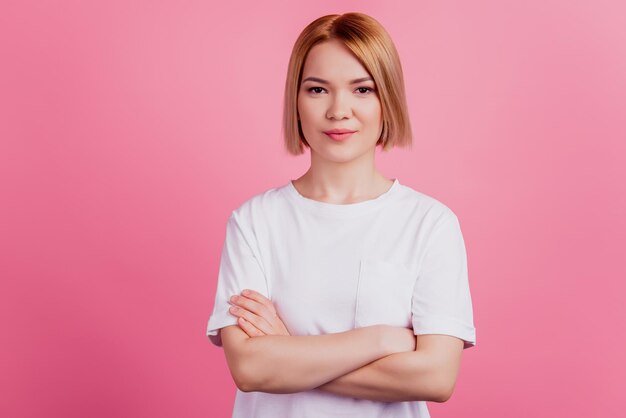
(314, 88)
(368, 90)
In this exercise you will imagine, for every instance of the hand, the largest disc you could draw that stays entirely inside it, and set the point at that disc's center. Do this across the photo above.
(256, 314)
(398, 339)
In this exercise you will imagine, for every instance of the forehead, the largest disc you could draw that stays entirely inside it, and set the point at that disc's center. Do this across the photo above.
(333, 61)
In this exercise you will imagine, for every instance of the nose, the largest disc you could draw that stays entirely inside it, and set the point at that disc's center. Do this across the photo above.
(339, 107)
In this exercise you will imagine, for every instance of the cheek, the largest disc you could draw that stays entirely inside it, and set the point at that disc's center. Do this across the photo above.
(303, 109)
(307, 119)
(373, 113)
(307, 111)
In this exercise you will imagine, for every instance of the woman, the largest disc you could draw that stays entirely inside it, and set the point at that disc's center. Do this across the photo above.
(343, 293)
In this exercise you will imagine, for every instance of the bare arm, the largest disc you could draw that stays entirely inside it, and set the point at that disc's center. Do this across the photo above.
(429, 373)
(288, 364)
(425, 369)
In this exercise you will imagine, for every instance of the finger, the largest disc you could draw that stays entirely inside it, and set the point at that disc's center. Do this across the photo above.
(271, 315)
(270, 323)
(254, 307)
(258, 297)
(257, 321)
(248, 328)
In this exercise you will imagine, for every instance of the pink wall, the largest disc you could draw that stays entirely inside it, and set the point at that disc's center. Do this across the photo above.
(130, 130)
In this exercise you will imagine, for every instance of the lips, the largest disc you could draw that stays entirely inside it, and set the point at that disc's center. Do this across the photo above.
(339, 131)
(339, 134)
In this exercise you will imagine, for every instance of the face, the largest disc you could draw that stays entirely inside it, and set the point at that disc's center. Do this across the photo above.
(337, 92)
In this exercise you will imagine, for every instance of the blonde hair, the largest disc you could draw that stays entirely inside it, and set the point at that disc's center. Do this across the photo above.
(373, 47)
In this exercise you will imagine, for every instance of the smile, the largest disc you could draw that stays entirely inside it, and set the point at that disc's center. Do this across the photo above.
(341, 136)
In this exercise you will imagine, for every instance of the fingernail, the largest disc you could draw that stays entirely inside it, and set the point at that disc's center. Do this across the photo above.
(245, 292)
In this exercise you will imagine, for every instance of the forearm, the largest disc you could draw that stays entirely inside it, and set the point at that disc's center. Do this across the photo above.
(398, 377)
(287, 364)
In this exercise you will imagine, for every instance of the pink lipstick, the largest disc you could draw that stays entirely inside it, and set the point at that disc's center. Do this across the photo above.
(339, 134)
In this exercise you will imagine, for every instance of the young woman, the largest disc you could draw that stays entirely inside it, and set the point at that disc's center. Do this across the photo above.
(343, 293)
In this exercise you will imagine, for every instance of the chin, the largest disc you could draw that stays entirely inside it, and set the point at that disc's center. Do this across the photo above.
(343, 155)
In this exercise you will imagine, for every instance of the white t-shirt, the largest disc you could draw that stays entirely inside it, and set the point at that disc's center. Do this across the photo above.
(398, 259)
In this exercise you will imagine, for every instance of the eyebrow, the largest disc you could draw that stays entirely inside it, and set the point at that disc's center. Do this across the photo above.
(322, 81)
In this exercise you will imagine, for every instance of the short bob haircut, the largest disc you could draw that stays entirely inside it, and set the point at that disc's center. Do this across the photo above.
(373, 47)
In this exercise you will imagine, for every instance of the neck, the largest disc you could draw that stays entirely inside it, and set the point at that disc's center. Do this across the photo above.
(342, 181)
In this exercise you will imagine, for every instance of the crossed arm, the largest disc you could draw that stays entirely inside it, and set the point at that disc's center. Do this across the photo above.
(379, 362)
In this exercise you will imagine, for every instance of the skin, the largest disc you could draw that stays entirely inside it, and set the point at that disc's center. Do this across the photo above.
(381, 362)
(340, 172)
(414, 368)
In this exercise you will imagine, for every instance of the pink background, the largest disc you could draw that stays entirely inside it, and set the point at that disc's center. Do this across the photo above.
(130, 130)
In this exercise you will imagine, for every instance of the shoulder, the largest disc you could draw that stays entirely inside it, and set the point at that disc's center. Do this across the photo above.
(432, 210)
(256, 209)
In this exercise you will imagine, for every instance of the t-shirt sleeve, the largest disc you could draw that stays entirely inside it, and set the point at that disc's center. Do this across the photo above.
(442, 301)
(239, 269)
